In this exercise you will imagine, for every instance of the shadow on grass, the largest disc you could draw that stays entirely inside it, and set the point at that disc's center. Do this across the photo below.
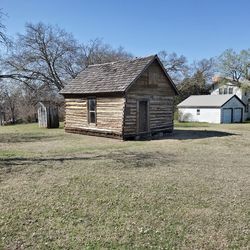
(118, 159)
(9, 165)
(15, 138)
(187, 134)
(30, 161)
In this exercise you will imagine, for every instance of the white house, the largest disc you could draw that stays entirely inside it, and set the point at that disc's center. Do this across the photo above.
(212, 108)
(225, 86)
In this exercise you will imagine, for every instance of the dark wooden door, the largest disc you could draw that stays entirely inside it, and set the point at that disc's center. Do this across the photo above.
(143, 116)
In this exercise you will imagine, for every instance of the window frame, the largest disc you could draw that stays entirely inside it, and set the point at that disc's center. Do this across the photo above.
(230, 90)
(91, 111)
(220, 91)
(198, 112)
(225, 91)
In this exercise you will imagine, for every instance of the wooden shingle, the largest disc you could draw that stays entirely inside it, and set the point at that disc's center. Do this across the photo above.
(114, 77)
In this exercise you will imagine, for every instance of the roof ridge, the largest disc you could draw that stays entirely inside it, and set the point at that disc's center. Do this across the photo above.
(214, 95)
(208, 101)
(125, 60)
(115, 77)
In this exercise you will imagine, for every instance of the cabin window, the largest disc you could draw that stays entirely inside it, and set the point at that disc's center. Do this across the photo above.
(92, 110)
(230, 91)
(225, 91)
(198, 112)
(220, 91)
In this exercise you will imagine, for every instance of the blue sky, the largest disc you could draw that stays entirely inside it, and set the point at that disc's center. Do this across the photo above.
(195, 28)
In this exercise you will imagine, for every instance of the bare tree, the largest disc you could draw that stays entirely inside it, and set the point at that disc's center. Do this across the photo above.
(44, 56)
(4, 39)
(47, 57)
(44, 59)
(10, 96)
(176, 66)
(96, 52)
(234, 65)
(197, 82)
(206, 67)
(17, 102)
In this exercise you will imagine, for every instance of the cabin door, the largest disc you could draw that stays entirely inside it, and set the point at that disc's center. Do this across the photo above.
(143, 116)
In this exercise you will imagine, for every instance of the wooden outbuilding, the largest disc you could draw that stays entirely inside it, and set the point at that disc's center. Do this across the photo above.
(212, 109)
(125, 99)
(47, 115)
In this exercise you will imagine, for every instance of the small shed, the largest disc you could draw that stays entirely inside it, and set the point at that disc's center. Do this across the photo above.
(212, 109)
(124, 99)
(48, 115)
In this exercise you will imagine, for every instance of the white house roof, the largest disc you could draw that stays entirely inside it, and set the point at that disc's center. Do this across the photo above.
(214, 101)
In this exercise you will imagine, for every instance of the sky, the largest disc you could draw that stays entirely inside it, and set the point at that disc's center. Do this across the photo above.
(194, 28)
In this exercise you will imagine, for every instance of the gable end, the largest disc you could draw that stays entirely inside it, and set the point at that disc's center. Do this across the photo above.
(236, 98)
(155, 59)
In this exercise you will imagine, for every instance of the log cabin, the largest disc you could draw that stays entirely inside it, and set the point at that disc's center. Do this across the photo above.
(128, 99)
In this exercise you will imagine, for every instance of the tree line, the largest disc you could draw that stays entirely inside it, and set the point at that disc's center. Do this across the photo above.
(36, 65)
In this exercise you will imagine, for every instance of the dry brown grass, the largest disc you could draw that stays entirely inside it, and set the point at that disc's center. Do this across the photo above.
(65, 191)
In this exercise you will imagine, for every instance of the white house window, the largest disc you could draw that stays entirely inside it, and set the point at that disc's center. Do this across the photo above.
(225, 91)
(220, 91)
(198, 111)
(230, 90)
(91, 110)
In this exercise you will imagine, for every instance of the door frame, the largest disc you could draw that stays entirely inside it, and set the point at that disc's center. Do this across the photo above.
(138, 115)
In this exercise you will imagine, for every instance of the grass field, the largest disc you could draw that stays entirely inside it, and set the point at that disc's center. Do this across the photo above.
(190, 190)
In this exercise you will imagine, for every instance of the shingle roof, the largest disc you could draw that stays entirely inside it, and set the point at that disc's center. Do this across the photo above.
(213, 101)
(109, 77)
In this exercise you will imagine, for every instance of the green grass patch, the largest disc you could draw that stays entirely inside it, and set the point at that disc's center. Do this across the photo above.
(67, 191)
(191, 124)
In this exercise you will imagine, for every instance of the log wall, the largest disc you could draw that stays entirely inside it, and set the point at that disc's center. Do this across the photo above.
(153, 86)
(109, 116)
